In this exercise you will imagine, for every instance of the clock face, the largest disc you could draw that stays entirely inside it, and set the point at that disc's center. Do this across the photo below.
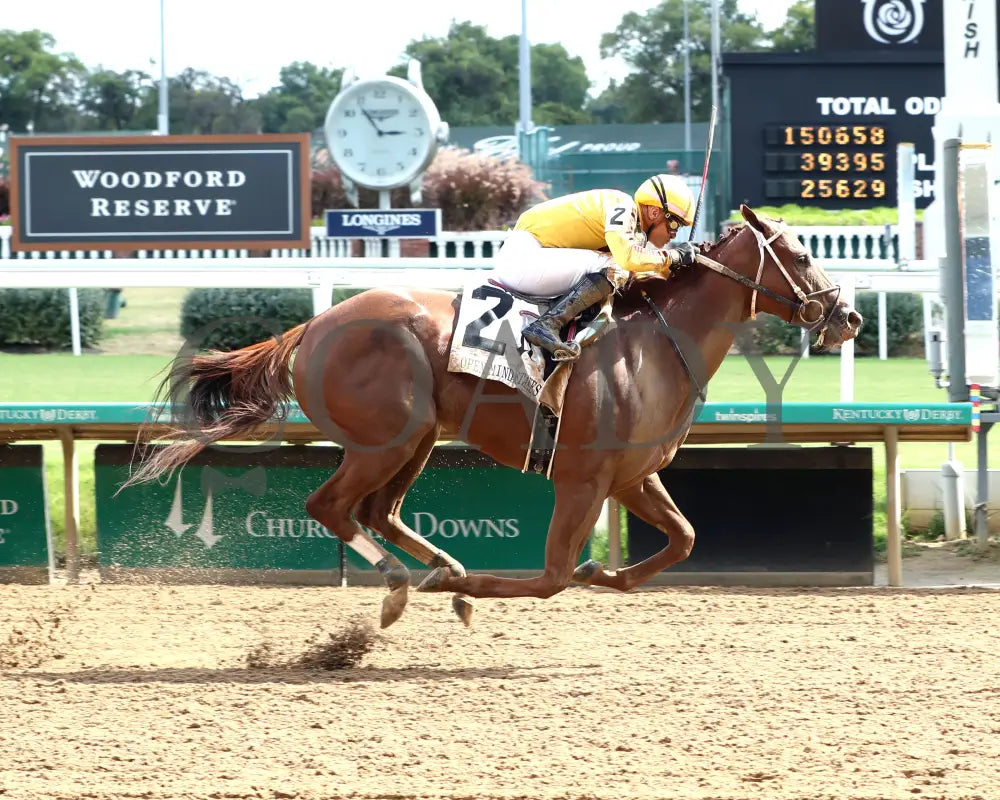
(380, 132)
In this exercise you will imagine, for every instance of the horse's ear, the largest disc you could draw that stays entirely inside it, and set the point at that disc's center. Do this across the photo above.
(751, 217)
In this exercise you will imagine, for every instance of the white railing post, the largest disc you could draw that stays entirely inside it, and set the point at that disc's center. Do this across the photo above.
(74, 321)
(883, 328)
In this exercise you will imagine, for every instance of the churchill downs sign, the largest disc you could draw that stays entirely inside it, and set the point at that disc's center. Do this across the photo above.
(136, 192)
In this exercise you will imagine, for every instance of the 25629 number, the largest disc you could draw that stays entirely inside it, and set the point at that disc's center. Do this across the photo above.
(845, 188)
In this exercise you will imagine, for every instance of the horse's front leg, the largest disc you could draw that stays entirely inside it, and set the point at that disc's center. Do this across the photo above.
(649, 501)
(577, 507)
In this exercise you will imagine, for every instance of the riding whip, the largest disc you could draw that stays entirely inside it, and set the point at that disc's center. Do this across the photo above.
(704, 172)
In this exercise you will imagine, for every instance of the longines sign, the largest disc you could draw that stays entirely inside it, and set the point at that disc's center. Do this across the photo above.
(398, 223)
(162, 192)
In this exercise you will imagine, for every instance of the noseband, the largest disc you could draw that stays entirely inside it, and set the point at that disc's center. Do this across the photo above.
(805, 307)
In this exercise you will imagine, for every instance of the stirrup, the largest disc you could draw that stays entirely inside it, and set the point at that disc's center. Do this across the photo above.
(557, 349)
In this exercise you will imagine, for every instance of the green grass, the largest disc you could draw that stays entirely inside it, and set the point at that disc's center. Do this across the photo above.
(809, 215)
(63, 377)
(127, 378)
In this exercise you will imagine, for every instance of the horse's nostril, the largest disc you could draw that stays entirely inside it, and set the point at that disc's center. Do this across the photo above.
(854, 319)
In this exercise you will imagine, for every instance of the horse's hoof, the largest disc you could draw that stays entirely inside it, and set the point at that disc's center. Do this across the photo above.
(434, 580)
(393, 605)
(587, 570)
(462, 604)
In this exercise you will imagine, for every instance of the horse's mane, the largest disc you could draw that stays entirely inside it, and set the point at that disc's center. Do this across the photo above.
(658, 288)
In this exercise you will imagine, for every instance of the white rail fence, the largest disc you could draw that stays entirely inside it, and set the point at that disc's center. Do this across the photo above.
(859, 259)
(857, 247)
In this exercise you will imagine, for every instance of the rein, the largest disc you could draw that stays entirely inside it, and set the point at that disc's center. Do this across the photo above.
(798, 307)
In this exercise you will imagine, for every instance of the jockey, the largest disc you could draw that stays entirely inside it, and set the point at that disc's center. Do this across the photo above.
(585, 245)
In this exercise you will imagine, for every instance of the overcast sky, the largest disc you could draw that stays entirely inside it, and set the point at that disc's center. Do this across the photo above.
(249, 43)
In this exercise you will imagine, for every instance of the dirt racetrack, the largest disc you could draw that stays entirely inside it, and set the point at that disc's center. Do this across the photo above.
(145, 692)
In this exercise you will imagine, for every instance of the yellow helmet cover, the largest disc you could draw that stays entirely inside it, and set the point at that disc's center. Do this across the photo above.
(670, 193)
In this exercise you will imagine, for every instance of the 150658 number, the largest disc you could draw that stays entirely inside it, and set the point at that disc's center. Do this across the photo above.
(845, 188)
(824, 135)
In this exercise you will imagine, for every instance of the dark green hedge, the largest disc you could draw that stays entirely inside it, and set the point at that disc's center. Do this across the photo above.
(904, 320)
(905, 328)
(40, 317)
(228, 319)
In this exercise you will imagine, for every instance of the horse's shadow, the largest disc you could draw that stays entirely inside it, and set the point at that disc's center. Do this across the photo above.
(294, 675)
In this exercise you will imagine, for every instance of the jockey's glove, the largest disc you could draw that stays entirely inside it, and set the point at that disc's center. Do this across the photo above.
(683, 254)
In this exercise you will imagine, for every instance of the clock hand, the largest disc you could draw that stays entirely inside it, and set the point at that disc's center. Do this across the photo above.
(392, 133)
(371, 119)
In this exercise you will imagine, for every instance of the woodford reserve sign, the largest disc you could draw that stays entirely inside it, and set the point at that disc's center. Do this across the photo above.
(160, 192)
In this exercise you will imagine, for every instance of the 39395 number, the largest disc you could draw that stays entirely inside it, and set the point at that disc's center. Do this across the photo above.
(845, 188)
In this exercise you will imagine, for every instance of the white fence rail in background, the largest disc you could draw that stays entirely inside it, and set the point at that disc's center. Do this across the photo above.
(859, 247)
(859, 259)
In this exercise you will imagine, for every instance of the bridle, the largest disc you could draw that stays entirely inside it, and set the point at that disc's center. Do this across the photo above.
(798, 307)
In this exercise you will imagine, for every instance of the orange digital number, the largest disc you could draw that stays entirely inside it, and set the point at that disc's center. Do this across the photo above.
(824, 135)
(843, 162)
(878, 188)
(807, 135)
(808, 163)
(842, 135)
(808, 189)
(825, 186)
(878, 162)
(878, 135)
(825, 161)
(860, 189)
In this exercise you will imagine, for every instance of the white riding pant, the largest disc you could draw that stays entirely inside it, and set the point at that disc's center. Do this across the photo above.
(524, 265)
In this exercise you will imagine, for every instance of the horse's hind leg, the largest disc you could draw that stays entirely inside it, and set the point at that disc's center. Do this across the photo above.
(380, 511)
(333, 504)
(578, 505)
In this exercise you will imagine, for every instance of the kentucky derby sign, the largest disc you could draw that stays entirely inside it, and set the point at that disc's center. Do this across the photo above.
(396, 223)
(160, 192)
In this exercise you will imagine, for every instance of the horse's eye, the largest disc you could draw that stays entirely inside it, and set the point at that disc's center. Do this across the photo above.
(802, 261)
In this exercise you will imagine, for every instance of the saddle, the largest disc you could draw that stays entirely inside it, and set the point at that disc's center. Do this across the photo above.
(487, 344)
(585, 329)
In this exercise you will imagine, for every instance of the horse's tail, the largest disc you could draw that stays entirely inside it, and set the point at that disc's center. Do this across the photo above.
(221, 395)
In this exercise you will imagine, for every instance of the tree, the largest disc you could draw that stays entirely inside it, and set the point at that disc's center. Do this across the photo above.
(298, 104)
(37, 86)
(202, 103)
(473, 77)
(798, 32)
(559, 85)
(652, 44)
(118, 100)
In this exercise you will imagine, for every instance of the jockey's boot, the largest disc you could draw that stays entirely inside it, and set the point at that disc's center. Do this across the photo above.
(545, 331)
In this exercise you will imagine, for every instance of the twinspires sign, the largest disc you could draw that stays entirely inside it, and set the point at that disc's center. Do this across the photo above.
(237, 514)
(136, 192)
(396, 223)
(25, 535)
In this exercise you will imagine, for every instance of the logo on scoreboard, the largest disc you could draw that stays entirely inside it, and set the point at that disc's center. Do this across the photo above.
(893, 21)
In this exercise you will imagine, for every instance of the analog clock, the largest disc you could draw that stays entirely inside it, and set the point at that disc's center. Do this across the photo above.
(383, 132)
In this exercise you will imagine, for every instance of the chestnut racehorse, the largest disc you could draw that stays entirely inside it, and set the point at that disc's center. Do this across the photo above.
(372, 373)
